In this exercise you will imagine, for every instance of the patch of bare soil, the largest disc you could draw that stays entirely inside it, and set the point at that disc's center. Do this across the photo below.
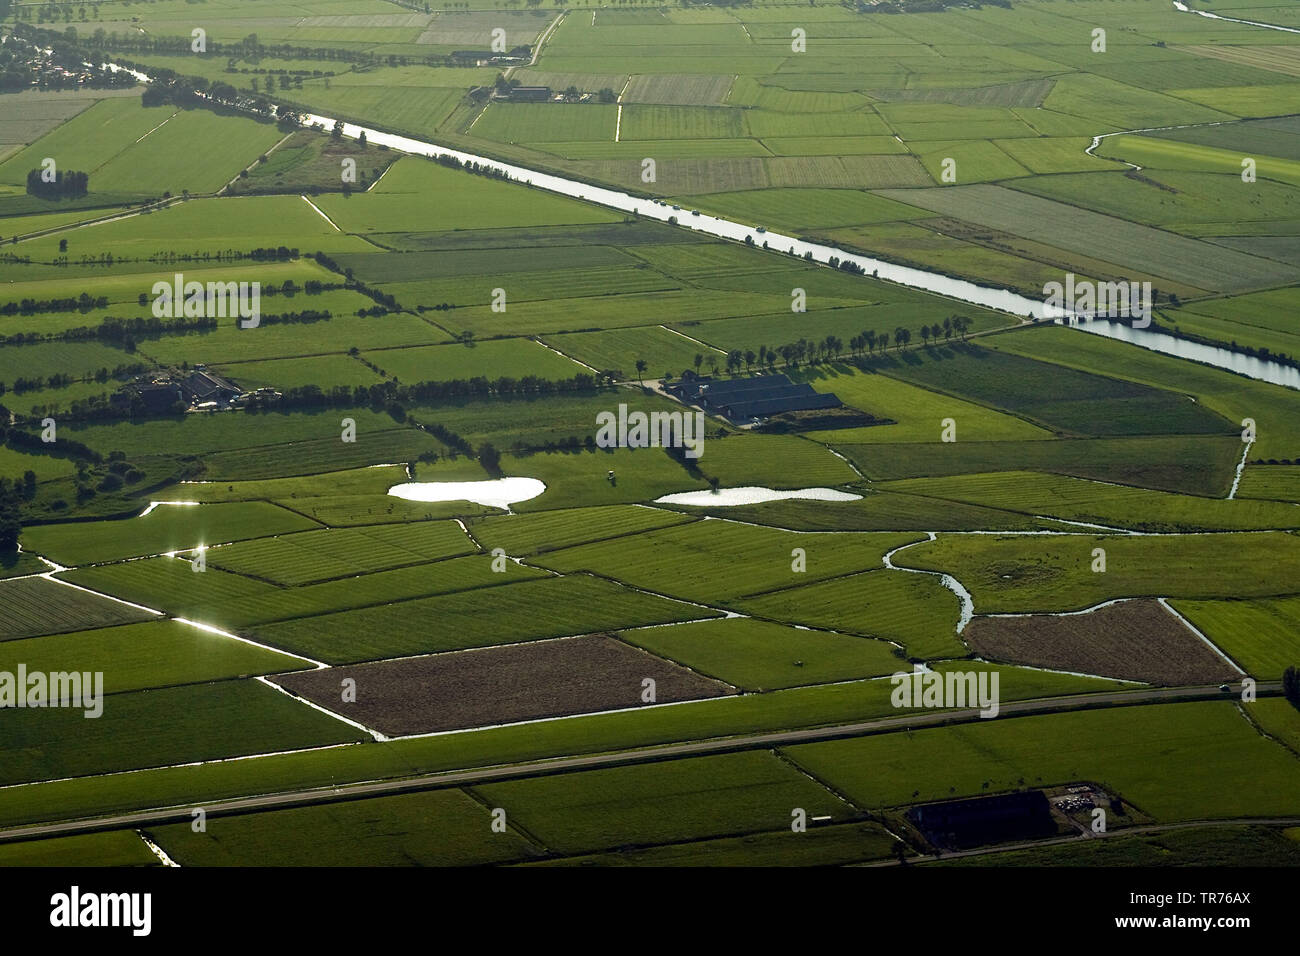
(1134, 640)
(499, 685)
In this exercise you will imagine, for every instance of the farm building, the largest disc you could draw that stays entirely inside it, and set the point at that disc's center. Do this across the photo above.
(748, 399)
(1023, 815)
(204, 386)
(483, 57)
(528, 94)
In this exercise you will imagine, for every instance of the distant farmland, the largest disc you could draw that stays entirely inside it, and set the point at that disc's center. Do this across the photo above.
(1089, 233)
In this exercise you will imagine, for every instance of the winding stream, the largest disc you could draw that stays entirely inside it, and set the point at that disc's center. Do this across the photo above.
(947, 580)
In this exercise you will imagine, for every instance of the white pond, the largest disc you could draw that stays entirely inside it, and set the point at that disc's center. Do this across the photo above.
(727, 497)
(494, 492)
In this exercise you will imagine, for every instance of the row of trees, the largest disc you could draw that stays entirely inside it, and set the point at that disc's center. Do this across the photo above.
(167, 256)
(82, 303)
(248, 48)
(395, 397)
(62, 379)
(477, 168)
(830, 348)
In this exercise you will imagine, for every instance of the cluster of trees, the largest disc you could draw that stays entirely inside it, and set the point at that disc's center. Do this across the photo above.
(1291, 685)
(844, 265)
(56, 64)
(478, 169)
(18, 437)
(190, 92)
(11, 522)
(24, 488)
(71, 184)
(272, 253)
(93, 474)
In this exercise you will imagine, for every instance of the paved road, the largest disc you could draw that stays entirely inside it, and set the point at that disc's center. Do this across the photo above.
(766, 740)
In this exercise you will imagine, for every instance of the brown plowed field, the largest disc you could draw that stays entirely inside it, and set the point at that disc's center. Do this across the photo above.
(1135, 640)
(499, 685)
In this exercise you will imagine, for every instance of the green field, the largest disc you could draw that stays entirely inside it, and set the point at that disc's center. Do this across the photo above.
(168, 528)
(532, 534)
(511, 357)
(424, 196)
(1021, 574)
(231, 600)
(912, 610)
(427, 322)
(1078, 499)
(530, 610)
(758, 655)
(390, 831)
(1232, 396)
(1066, 401)
(113, 848)
(1200, 465)
(662, 803)
(1260, 635)
(34, 606)
(144, 656)
(311, 556)
(160, 727)
(1142, 752)
(1079, 231)
(720, 560)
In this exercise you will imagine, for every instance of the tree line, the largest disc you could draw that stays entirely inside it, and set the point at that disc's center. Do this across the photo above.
(36, 383)
(82, 303)
(249, 47)
(830, 348)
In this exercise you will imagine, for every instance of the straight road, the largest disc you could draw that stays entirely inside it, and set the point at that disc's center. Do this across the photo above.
(696, 748)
